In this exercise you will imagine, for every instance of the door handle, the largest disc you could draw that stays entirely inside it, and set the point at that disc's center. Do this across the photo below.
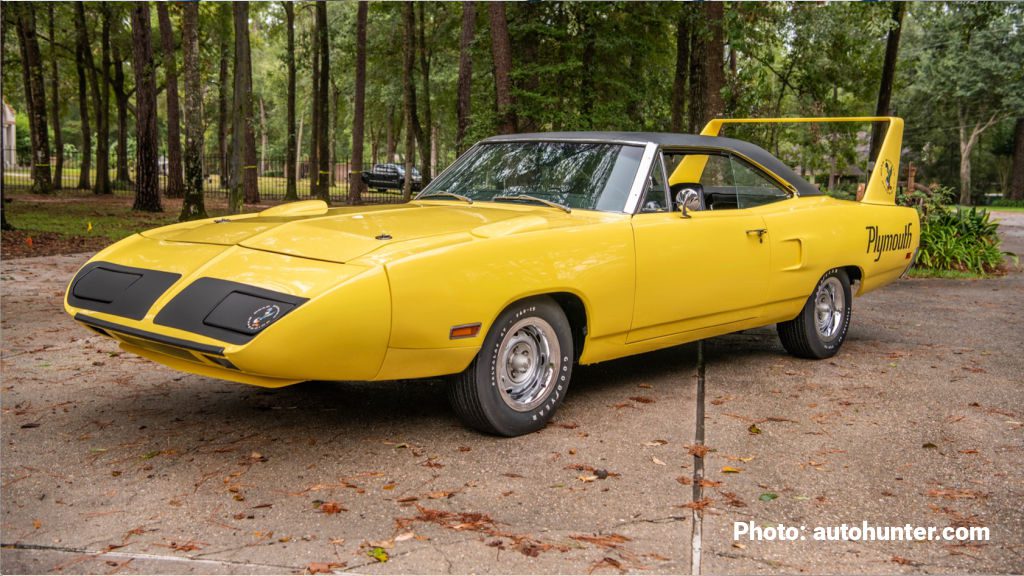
(760, 233)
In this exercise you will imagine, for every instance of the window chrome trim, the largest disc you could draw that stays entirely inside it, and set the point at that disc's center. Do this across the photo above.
(636, 191)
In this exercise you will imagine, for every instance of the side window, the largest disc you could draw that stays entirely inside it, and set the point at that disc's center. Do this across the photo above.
(754, 188)
(719, 183)
(656, 194)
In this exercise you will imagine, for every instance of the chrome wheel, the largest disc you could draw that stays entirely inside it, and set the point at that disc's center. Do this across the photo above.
(829, 307)
(528, 362)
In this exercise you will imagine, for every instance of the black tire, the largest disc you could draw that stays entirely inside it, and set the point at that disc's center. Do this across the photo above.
(817, 333)
(519, 378)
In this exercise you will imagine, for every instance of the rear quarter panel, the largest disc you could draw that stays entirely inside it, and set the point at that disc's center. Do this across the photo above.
(812, 235)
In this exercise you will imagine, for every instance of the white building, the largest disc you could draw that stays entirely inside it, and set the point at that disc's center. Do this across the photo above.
(9, 136)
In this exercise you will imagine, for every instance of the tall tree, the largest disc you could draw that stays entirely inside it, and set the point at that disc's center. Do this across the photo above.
(1017, 164)
(892, 47)
(707, 76)
(409, 94)
(224, 22)
(35, 97)
(355, 180)
(976, 77)
(192, 207)
(314, 132)
(100, 84)
(501, 50)
(323, 189)
(175, 184)
(463, 103)
(83, 109)
(243, 138)
(682, 68)
(290, 165)
(122, 177)
(425, 131)
(58, 138)
(147, 176)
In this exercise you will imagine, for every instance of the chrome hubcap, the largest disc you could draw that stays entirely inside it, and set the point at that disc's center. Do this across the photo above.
(829, 307)
(528, 362)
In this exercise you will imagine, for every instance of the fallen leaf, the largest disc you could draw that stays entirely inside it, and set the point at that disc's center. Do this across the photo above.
(389, 486)
(323, 567)
(656, 443)
(929, 446)
(31, 425)
(753, 429)
(684, 480)
(698, 450)
(656, 461)
(405, 536)
(586, 478)
(332, 508)
(642, 399)
(730, 470)
(957, 493)
(767, 497)
(904, 561)
(697, 505)
(440, 495)
(37, 524)
(970, 451)
(464, 448)
(378, 554)
(606, 561)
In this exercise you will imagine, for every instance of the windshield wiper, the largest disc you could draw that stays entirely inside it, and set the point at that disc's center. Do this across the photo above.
(444, 193)
(534, 199)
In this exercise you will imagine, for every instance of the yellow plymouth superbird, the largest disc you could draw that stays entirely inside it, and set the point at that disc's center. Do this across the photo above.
(531, 253)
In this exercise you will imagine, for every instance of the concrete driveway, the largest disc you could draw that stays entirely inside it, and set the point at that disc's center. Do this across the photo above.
(114, 464)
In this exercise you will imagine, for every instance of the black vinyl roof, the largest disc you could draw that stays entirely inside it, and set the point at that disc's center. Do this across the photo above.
(669, 140)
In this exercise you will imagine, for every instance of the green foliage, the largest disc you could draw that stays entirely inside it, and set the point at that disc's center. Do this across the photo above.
(1007, 203)
(964, 240)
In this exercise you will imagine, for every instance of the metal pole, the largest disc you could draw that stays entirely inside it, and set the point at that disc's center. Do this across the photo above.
(698, 469)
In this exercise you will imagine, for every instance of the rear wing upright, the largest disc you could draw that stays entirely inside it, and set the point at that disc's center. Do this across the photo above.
(881, 187)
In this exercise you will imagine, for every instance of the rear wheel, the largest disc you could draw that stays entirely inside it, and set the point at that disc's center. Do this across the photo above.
(820, 329)
(522, 371)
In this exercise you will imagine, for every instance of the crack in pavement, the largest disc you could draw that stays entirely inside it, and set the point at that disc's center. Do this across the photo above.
(139, 555)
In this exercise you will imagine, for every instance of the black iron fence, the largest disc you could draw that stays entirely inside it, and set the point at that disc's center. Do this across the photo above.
(271, 181)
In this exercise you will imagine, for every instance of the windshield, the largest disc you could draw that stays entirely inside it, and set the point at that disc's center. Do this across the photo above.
(581, 175)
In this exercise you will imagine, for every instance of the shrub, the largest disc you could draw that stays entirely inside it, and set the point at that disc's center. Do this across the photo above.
(1007, 203)
(960, 239)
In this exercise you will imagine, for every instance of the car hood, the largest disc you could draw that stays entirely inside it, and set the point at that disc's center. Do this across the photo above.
(346, 234)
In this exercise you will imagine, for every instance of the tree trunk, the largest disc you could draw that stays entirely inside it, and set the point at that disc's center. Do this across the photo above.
(298, 148)
(83, 113)
(502, 53)
(426, 133)
(223, 123)
(243, 140)
(291, 150)
(192, 206)
(35, 98)
(1017, 165)
(892, 46)
(463, 102)
(409, 94)
(683, 33)
(707, 76)
(323, 85)
(58, 138)
(391, 141)
(314, 123)
(263, 137)
(175, 184)
(123, 178)
(101, 103)
(355, 180)
(147, 190)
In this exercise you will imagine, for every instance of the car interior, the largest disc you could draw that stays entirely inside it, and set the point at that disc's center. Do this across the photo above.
(722, 181)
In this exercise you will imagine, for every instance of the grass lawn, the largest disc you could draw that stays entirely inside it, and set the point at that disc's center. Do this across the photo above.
(954, 274)
(995, 208)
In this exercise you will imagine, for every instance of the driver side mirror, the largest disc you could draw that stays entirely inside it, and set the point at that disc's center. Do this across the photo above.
(689, 197)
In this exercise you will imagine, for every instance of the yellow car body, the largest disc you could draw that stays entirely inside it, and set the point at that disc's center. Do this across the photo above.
(411, 290)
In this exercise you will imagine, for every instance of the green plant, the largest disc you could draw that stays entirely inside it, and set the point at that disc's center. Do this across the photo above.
(964, 240)
(1007, 203)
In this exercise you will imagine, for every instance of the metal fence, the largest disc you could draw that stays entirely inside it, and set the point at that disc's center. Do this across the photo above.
(271, 181)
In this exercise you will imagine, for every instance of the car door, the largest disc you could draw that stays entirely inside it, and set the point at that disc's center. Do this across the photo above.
(705, 270)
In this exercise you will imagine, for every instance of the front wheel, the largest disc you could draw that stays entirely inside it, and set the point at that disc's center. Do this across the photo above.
(522, 371)
(821, 327)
